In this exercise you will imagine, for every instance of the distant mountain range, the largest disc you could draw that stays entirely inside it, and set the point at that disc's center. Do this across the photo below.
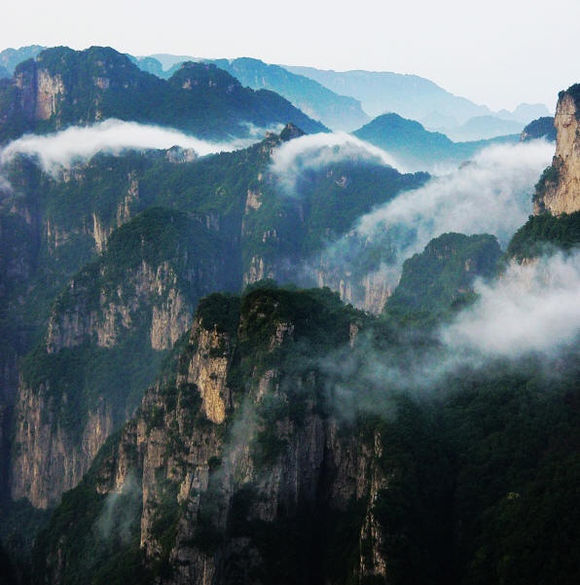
(417, 148)
(408, 95)
(346, 100)
(10, 58)
(420, 99)
(485, 127)
(335, 111)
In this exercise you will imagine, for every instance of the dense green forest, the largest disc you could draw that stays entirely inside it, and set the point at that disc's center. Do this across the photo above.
(483, 466)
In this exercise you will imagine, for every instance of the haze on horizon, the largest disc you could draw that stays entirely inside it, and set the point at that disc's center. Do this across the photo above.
(499, 53)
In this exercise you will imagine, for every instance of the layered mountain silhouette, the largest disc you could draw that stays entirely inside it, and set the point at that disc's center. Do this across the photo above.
(62, 87)
(417, 148)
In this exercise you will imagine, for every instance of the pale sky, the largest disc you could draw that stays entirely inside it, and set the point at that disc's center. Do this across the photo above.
(494, 52)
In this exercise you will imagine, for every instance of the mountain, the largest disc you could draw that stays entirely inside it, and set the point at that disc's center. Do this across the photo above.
(334, 111)
(151, 65)
(545, 232)
(420, 99)
(441, 277)
(107, 332)
(250, 462)
(168, 61)
(409, 96)
(171, 415)
(337, 112)
(10, 58)
(484, 127)
(62, 87)
(417, 148)
(526, 112)
(558, 190)
(540, 128)
(108, 260)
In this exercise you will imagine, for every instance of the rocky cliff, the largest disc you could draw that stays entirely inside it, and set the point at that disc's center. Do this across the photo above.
(46, 460)
(238, 456)
(119, 314)
(126, 284)
(272, 450)
(559, 188)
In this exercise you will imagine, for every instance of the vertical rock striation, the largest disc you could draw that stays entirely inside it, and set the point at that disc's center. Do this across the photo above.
(559, 188)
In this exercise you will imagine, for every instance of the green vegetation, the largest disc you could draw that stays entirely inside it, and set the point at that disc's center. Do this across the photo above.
(100, 83)
(543, 233)
(479, 475)
(548, 179)
(322, 460)
(540, 128)
(438, 282)
(220, 311)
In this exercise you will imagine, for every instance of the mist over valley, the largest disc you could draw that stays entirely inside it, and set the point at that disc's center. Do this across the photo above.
(281, 324)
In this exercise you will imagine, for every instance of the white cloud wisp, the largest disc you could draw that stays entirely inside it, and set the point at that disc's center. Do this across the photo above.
(60, 150)
(531, 308)
(315, 151)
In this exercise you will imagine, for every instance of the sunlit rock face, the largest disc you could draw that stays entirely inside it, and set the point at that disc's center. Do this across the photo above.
(559, 190)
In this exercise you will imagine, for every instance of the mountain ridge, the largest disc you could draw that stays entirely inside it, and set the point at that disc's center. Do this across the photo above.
(62, 87)
(417, 148)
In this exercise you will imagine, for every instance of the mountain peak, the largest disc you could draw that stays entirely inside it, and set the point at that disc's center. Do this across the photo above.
(290, 131)
(557, 191)
(193, 75)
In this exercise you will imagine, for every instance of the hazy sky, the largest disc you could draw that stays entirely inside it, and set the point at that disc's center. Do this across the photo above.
(497, 52)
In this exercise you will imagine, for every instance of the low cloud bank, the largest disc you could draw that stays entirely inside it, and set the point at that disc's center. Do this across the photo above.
(60, 150)
(534, 308)
(491, 194)
(315, 151)
(529, 313)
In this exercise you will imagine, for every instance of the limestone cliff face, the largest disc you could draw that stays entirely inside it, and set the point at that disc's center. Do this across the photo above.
(369, 292)
(236, 455)
(47, 460)
(559, 189)
(49, 92)
(153, 289)
(111, 324)
(208, 369)
(50, 457)
(41, 93)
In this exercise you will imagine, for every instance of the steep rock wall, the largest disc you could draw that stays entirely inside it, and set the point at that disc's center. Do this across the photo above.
(46, 459)
(228, 466)
(559, 189)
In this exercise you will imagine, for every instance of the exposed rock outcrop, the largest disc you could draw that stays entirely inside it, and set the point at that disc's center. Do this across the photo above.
(231, 458)
(559, 188)
(127, 315)
(47, 459)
